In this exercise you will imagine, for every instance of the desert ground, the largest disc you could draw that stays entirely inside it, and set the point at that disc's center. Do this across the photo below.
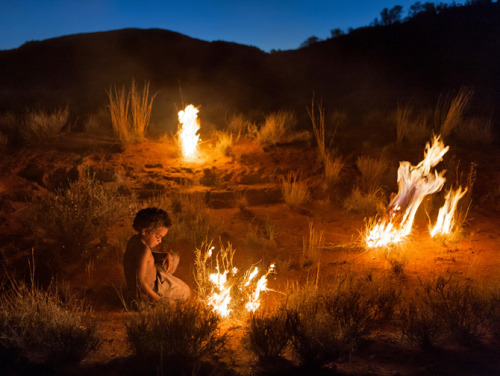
(242, 200)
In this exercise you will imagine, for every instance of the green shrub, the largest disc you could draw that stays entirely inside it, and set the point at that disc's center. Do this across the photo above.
(176, 339)
(38, 327)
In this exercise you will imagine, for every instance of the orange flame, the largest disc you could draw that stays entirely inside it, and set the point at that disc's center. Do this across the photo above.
(446, 221)
(222, 286)
(414, 183)
(188, 136)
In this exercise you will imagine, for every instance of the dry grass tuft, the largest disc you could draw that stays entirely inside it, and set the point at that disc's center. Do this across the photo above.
(368, 203)
(42, 126)
(224, 143)
(372, 170)
(455, 112)
(311, 247)
(130, 112)
(295, 191)
(276, 126)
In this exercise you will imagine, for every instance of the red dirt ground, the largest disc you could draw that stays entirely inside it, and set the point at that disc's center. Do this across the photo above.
(154, 167)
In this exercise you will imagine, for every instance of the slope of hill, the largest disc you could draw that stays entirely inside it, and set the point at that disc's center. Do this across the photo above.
(372, 67)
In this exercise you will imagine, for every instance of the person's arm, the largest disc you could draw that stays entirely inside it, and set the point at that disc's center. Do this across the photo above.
(142, 269)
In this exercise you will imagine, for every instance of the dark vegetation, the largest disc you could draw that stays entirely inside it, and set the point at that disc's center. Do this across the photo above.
(434, 51)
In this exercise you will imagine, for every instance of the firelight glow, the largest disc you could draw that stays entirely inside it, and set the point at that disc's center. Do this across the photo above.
(223, 282)
(187, 134)
(446, 220)
(414, 182)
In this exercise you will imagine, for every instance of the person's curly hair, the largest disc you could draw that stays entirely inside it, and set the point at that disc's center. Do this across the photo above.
(151, 218)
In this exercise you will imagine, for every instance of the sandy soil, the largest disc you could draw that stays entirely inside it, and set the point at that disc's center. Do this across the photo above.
(154, 167)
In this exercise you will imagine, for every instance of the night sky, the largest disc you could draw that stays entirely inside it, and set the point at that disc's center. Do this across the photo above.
(266, 24)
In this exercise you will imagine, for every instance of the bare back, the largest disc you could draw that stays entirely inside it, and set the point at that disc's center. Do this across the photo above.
(139, 266)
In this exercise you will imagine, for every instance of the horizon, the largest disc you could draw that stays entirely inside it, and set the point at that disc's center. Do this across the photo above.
(282, 24)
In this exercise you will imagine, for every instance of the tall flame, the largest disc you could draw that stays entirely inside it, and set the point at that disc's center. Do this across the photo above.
(414, 183)
(188, 132)
(445, 221)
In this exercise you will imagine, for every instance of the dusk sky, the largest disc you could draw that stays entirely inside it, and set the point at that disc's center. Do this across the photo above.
(266, 24)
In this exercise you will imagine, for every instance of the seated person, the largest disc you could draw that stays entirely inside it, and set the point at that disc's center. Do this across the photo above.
(144, 277)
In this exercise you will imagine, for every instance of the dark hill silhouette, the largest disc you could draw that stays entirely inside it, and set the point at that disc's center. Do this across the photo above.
(371, 67)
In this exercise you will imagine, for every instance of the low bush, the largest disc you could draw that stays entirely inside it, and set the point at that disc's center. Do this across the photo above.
(176, 339)
(372, 170)
(40, 126)
(276, 126)
(224, 143)
(268, 335)
(36, 326)
(365, 203)
(73, 217)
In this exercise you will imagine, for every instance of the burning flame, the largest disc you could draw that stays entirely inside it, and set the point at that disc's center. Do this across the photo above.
(445, 221)
(414, 183)
(224, 281)
(187, 133)
(254, 303)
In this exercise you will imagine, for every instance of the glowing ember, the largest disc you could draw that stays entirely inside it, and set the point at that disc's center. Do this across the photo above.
(414, 183)
(187, 133)
(445, 221)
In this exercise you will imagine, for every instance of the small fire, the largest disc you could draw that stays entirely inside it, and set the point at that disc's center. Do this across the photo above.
(224, 282)
(187, 134)
(254, 302)
(446, 221)
(221, 297)
(414, 183)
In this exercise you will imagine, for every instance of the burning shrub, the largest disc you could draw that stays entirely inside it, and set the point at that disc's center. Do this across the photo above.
(38, 327)
(295, 191)
(75, 216)
(268, 335)
(177, 339)
(42, 126)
